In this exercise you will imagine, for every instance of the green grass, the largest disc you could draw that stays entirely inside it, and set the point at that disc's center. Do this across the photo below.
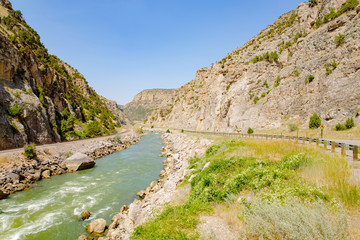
(277, 172)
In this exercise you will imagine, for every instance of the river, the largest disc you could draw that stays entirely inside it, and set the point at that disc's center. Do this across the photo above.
(49, 209)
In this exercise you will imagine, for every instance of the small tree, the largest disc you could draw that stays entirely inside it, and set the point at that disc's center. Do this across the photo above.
(315, 121)
(15, 111)
(30, 151)
(349, 123)
(250, 131)
(168, 131)
(117, 138)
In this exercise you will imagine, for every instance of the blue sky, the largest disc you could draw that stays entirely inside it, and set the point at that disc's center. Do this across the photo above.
(123, 47)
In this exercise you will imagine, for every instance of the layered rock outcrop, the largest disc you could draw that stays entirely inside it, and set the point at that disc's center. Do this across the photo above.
(147, 101)
(306, 62)
(42, 99)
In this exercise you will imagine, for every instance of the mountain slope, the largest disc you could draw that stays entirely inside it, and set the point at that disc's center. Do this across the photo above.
(306, 62)
(146, 101)
(42, 99)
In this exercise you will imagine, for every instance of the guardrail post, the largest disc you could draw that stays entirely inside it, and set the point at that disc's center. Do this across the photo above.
(355, 153)
(317, 142)
(325, 144)
(343, 149)
(333, 146)
(303, 140)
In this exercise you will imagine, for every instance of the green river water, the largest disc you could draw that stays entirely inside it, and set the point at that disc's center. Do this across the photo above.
(49, 209)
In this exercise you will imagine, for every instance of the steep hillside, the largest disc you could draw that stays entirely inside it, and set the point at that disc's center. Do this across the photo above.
(148, 100)
(42, 99)
(306, 62)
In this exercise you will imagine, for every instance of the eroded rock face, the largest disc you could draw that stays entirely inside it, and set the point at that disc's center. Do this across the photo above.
(146, 101)
(79, 161)
(240, 91)
(39, 90)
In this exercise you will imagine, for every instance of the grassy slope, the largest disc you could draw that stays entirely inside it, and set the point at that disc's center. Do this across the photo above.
(254, 184)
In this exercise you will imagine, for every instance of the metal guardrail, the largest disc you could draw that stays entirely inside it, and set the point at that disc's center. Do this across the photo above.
(333, 144)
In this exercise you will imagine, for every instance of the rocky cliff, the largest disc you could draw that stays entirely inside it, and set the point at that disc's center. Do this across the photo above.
(306, 62)
(42, 99)
(147, 101)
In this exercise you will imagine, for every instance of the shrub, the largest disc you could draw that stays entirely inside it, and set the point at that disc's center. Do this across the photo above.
(15, 111)
(263, 94)
(152, 126)
(312, 3)
(340, 127)
(349, 123)
(293, 127)
(315, 121)
(296, 220)
(168, 131)
(30, 151)
(256, 99)
(182, 130)
(140, 130)
(340, 39)
(117, 138)
(309, 79)
(277, 81)
(93, 129)
(250, 131)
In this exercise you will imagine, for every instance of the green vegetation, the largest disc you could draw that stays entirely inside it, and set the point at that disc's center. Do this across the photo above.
(93, 129)
(293, 127)
(340, 127)
(250, 131)
(30, 151)
(256, 99)
(349, 123)
(168, 131)
(315, 121)
(340, 39)
(117, 138)
(330, 67)
(15, 111)
(309, 79)
(347, 6)
(277, 81)
(263, 94)
(270, 188)
(270, 57)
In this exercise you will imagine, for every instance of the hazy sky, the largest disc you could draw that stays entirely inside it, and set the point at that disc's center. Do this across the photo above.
(123, 47)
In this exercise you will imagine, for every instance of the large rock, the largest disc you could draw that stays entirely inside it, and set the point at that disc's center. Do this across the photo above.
(97, 226)
(79, 161)
(3, 195)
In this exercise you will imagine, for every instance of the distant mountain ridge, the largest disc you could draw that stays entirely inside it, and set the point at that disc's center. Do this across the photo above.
(146, 101)
(306, 62)
(43, 99)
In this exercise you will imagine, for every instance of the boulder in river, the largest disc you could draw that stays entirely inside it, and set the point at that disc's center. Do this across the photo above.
(79, 161)
(97, 226)
(3, 195)
(85, 215)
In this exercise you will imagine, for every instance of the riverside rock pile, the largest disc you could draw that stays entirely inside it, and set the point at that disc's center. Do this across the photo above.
(179, 149)
(20, 173)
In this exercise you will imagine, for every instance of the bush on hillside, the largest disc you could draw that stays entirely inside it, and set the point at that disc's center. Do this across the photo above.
(340, 127)
(93, 129)
(312, 3)
(30, 151)
(315, 121)
(117, 138)
(340, 39)
(15, 111)
(168, 131)
(293, 127)
(250, 131)
(349, 123)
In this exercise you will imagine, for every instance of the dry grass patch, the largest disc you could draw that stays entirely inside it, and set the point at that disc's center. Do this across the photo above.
(4, 161)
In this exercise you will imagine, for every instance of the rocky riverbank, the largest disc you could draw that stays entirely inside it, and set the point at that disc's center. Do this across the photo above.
(179, 149)
(18, 173)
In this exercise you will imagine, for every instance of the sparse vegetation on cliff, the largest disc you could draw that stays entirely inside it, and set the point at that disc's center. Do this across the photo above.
(30, 151)
(315, 121)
